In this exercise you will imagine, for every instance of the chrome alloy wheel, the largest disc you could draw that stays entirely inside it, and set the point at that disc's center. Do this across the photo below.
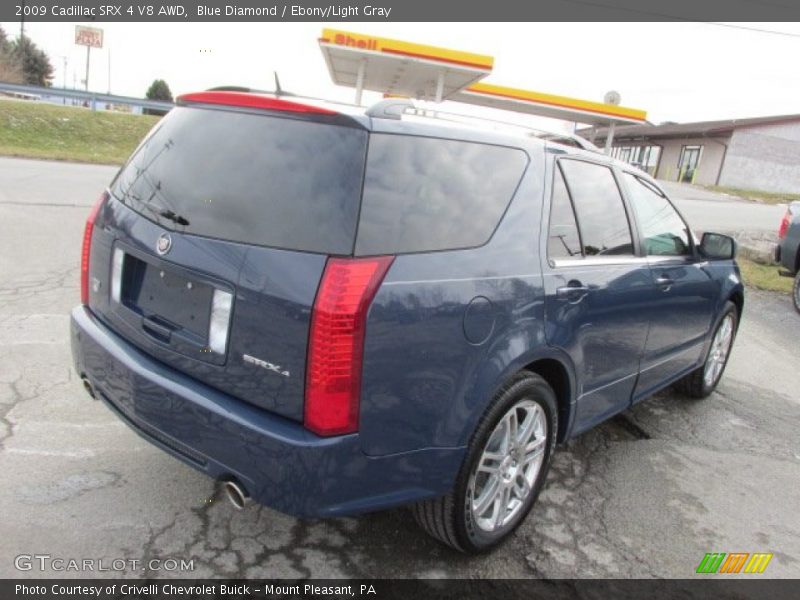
(507, 470)
(797, 291)
(720, 348)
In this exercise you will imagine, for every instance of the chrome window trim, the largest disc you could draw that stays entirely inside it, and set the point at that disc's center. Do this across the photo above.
(597, 261)
(605, 261)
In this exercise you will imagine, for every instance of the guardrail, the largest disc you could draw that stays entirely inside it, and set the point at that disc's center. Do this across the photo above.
(91, 97)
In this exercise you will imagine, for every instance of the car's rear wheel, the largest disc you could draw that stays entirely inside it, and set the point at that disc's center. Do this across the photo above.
(504, 469)
(702, 381)
(796, 292)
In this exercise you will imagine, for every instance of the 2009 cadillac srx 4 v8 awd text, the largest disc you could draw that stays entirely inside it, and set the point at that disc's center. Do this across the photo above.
(336, 311)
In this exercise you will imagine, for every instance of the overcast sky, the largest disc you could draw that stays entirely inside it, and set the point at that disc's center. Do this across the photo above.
(674, 71)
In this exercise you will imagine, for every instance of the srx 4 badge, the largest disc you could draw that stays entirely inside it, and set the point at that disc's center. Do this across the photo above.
(265, 365)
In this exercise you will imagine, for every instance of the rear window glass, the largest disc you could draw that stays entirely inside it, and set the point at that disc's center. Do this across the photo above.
(424, 194)
(255, 179)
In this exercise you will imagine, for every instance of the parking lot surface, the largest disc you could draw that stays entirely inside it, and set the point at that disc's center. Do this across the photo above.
(645, 495)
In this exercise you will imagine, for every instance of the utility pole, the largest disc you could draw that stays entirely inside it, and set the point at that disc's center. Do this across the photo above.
(22, 22)
(86, 81)
(109, 71)
(64, 59)
(88, 36)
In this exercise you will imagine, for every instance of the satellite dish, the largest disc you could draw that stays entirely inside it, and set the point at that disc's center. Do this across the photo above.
(612, 97)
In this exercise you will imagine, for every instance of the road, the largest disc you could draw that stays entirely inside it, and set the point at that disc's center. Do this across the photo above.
(711, 211)
(645, 495)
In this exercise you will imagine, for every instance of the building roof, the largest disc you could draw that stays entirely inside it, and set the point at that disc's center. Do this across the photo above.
(701, 128)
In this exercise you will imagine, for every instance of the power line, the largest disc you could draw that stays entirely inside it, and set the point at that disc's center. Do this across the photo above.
(669, 17)
(753, 29)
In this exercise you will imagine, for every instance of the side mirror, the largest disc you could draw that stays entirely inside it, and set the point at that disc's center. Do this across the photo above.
(716, 246)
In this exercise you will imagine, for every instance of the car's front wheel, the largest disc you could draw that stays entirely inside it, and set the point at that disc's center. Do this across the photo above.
(702, 381)
(504, 469)
(796, 292)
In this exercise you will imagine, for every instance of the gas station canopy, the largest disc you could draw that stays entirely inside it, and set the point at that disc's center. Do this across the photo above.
(548, 105)
(397, 68)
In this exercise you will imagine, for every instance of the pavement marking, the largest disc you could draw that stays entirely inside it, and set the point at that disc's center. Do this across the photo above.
(64, 453)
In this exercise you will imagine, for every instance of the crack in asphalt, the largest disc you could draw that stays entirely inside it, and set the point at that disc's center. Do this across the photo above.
(47, 283)
(17, 398)
(569, 529)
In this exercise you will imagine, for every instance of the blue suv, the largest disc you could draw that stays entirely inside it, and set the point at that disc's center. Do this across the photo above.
(335, 312)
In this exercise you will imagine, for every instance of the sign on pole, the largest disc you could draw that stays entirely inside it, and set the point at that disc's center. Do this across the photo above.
(91, 37)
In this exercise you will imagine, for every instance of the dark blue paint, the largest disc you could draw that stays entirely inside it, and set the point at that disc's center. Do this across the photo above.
(444, 332)
(274, 289)
(281, 464)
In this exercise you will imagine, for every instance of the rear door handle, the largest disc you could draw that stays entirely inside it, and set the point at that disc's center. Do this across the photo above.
(575, 291)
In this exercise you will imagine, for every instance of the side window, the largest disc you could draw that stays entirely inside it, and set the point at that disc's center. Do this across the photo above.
(563, 240)
(598, 205)
(664, 232)
(427, 194)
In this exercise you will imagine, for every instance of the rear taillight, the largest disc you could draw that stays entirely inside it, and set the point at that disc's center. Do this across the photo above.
(787, 218)
(87, 246)
(336, 342)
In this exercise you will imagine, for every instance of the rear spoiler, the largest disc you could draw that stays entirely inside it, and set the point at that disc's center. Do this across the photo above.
(264, 102)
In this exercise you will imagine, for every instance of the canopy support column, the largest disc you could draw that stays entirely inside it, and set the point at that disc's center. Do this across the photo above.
(440, 87)
(610, 137)
(362, 67)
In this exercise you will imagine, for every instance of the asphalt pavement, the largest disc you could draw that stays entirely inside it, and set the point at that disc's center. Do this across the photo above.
(647, 494)
(711, 211)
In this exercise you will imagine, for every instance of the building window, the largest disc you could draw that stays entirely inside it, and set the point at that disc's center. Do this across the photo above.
(643, 157)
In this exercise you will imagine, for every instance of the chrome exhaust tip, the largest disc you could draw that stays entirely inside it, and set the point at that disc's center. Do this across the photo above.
(236, 493)
(88, 387)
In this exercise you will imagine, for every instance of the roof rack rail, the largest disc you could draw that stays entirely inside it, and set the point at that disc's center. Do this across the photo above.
(390, 108)
(396, 108)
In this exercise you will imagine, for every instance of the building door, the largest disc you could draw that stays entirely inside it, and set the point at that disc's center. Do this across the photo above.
(687, 166)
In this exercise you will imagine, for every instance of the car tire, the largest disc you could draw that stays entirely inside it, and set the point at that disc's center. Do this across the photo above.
(703, 380)
(497, 475)
(796, 292)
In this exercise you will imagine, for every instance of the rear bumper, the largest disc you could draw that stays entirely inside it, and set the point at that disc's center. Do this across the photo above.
(283, 465)
(785, 254)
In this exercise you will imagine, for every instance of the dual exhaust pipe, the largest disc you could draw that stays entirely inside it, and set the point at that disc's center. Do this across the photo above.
(87, 385)
(235, 492)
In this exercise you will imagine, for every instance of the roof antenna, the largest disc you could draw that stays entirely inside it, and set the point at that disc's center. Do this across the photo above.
(278, 90)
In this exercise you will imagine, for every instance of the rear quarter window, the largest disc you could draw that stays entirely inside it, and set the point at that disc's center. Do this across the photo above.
(427, 194)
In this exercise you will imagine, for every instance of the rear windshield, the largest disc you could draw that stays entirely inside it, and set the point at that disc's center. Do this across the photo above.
(255, 179)
(294, 184)
(426, 194)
